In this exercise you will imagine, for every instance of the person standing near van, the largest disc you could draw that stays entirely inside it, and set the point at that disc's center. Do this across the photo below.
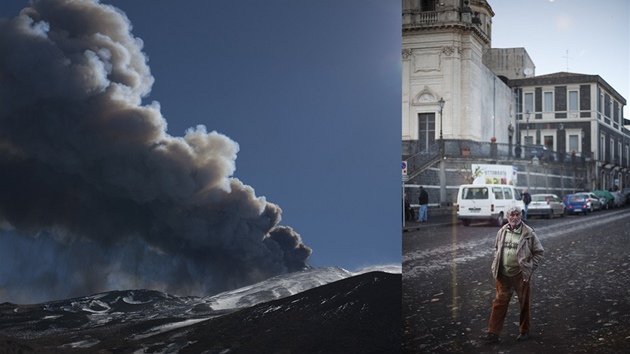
(423, 200)
(518, 252)
(527, 198)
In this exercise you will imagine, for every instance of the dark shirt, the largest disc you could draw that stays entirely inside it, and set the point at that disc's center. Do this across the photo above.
(424, 197)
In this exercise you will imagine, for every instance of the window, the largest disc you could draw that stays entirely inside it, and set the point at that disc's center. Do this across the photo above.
(573, 101)
(475, 193)
(498, 194)
(548, 102)
(427, 5)
(548, 142)
(574, 142)
(426, 130)
(529, 103)
(602, 145)
(508, 193)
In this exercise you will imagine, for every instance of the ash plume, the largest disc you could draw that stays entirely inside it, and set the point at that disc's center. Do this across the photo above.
(94, 194)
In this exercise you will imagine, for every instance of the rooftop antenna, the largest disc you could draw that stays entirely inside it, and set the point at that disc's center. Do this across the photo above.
(567, 58)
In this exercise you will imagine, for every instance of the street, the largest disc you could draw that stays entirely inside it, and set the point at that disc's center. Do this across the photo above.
(580, 292)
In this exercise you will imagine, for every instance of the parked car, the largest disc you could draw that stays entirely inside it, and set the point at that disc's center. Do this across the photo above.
(620, 199)
(548, 205)
(605, 198)
(577, 204)
(592, 200)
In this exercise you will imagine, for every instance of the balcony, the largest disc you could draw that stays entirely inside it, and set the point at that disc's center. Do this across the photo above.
(414, 19)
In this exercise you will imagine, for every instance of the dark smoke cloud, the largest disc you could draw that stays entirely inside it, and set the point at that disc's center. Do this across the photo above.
(94, 194)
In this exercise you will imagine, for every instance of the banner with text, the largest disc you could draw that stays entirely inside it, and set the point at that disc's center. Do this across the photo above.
(494, 174)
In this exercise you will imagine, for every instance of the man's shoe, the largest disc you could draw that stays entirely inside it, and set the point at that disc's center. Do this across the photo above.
(490, 338)
(522, 337)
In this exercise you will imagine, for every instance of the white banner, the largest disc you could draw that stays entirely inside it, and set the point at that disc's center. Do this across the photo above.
(494, 174)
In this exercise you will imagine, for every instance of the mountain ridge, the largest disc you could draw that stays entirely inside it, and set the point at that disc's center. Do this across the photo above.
(142, 319)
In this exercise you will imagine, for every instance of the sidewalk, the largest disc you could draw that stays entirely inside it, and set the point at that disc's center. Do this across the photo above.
(434, 220)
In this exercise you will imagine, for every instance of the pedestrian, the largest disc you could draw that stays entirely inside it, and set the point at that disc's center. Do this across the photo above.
(517, 254)
(423, 200)
(527, 198)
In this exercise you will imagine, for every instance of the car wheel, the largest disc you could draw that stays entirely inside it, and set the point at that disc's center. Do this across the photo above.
(550, 216)
(564, 212)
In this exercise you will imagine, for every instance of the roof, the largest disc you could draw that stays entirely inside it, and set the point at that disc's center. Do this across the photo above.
(563, 74)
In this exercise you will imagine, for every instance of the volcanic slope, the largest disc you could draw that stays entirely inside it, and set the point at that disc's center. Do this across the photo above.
(356, 314)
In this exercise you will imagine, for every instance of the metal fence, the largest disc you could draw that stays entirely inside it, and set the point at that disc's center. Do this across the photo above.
(501, 151)
(487, 150)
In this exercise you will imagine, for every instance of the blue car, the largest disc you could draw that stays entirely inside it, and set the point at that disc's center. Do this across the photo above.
(576, 204)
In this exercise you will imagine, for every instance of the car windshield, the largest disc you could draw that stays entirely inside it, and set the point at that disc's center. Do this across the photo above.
(539, 198)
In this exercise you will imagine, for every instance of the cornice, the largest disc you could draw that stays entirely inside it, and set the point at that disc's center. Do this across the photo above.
(464, 27)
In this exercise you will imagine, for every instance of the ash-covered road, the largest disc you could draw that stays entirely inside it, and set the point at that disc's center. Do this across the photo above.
(580, 292)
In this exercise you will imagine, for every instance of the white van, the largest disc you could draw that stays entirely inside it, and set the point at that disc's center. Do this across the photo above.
(486, 202)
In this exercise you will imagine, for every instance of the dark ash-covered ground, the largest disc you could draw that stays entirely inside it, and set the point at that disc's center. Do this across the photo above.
(581, 292)
(359, 314)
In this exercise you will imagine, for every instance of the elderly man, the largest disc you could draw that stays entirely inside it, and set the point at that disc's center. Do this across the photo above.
(517, 254)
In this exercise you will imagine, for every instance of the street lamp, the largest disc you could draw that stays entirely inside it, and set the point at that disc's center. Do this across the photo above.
(441, 103)
(527, 114)
(510, 133)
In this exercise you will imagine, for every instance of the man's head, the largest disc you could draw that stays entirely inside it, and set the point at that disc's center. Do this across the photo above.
(514, 216)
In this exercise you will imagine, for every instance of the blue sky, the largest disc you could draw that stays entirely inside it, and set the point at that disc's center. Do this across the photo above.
(596, 35)
(310, 90)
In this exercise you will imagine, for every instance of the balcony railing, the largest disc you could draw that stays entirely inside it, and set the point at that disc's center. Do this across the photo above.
(415, 18)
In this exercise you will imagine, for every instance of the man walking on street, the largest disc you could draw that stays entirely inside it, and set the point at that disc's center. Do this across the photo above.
(423, 200)
(517, 254)
(527, 198)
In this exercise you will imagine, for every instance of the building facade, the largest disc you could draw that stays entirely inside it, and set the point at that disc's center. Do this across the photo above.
(577, 114)
(442, 58)
(461, 92)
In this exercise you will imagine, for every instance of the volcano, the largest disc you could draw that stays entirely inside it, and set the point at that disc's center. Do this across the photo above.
(321, 310)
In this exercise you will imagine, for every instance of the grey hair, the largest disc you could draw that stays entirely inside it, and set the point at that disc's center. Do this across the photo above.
(513, 208)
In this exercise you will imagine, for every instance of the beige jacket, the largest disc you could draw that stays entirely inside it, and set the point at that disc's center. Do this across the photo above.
(529, 251)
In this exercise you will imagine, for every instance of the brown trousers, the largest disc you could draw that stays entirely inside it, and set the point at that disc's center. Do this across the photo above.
(505, 288)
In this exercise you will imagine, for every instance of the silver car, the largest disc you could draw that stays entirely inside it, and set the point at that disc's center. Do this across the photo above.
(592, 201)
(548, 205)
